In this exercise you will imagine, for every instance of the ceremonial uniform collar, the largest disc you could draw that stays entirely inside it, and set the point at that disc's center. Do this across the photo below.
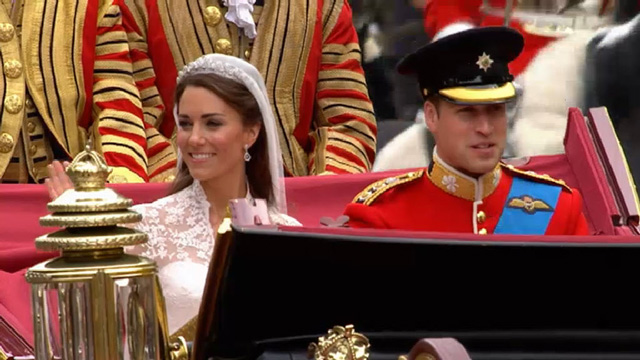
(458, 184)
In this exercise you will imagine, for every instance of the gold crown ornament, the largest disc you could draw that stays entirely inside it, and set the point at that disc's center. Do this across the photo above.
(90, 209)
(340, 343)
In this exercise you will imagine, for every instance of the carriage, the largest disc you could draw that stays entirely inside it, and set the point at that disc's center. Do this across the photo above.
(272, 291)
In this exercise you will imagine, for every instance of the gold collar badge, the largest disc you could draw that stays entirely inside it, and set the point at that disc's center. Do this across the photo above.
(484, 62)
(453, 182)
(528, 204)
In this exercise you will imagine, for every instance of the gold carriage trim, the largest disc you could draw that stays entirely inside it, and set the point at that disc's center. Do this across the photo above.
(340, 343)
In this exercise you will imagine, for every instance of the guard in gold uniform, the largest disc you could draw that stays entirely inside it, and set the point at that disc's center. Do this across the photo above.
(68, 77)
(308, 53)
(465, 82)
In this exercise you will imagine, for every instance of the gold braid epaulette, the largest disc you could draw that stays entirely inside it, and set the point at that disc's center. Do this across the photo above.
(533, 175)
(371, 192)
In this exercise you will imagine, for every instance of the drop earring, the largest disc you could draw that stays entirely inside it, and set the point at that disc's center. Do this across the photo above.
(247, 156)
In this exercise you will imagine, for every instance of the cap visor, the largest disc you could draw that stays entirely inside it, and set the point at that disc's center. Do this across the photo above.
(480, 94)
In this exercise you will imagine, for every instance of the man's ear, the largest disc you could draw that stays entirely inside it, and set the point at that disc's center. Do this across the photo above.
(431, 116)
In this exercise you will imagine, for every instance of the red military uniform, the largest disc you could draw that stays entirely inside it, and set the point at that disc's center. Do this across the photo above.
(308, 53)
(443, 16)
(444, 200)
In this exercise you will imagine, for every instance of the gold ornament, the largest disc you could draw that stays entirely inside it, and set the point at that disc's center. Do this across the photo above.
(13, 68)
(6, 32)
(212, 15)
(13, 103)
(6, 143)
(223, 46)
(340, 343)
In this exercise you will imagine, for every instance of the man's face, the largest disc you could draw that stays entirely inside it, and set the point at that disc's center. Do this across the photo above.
(470, 138)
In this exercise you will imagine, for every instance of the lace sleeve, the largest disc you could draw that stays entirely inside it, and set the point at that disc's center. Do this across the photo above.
(178, 231)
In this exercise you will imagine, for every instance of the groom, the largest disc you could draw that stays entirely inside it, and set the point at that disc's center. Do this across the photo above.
(466, 83)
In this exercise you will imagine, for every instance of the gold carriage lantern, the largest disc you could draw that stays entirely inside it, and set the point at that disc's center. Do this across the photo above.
(95, 301)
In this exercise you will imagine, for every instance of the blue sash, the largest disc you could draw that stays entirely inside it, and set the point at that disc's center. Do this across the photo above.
(529, 208)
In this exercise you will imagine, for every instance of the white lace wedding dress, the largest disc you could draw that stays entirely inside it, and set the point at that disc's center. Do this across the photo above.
(181, 242)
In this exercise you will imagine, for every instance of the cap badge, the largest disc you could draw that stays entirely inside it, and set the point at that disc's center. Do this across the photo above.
(484, 61)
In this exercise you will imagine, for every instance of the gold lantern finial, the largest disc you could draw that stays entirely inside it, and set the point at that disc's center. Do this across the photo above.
(88, 171)
(340, 343)
(88, 209)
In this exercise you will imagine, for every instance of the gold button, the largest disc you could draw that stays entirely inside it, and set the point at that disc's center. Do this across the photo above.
(29, 104)
(481, 217)
(482, 231)
(6, 32)
(33, 149)
(212, 15)
(13, 104)
(247, 54)
(31, 127)
(13, 68)
(223, 46)
(6, 143)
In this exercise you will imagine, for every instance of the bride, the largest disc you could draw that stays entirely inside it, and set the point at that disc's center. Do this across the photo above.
(227, 148)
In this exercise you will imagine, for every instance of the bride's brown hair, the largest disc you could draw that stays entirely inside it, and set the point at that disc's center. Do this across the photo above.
(241, 100)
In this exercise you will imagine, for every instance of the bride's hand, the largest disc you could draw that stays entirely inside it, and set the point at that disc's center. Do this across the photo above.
(58, 180)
